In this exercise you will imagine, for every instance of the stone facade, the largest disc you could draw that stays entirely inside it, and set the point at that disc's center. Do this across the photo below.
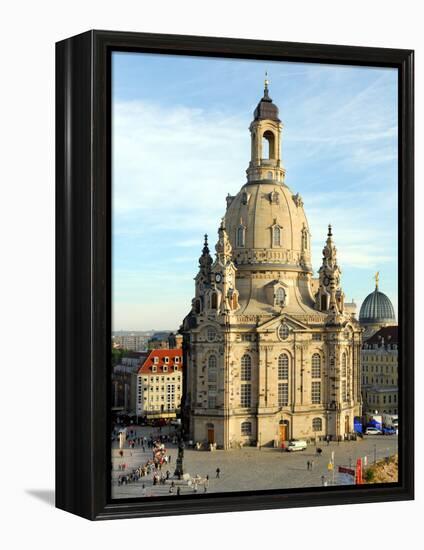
(271, 354)
(380, 372)
(158, 384)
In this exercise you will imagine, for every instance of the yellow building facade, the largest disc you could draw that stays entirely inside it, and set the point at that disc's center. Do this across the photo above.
(380, 372)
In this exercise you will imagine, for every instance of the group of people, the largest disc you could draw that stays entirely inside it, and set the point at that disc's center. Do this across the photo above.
(156, 466)
(152, 466)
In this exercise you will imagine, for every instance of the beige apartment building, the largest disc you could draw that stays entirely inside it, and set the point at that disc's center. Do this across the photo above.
(271, 353)
(158, 386)
(380, 372)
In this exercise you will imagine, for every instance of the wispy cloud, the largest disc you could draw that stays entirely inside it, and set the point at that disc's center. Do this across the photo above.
(178, 150)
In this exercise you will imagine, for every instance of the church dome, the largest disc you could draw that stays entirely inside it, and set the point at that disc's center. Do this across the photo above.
(265, 221)
(267, 227)
(377, 308)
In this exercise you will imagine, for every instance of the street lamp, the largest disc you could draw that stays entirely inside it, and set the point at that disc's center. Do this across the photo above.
(179, 468)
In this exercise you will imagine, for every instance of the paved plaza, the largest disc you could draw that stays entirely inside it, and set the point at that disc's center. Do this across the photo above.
(249, 468)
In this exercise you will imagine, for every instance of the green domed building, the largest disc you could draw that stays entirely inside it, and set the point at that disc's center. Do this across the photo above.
(376, 312)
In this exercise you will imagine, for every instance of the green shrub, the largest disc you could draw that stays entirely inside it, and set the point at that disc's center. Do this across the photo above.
(369, 475)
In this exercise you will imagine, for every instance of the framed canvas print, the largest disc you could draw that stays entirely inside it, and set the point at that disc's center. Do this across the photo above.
(234, 275)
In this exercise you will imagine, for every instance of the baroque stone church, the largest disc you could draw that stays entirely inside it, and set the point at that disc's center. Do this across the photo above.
(271, 353)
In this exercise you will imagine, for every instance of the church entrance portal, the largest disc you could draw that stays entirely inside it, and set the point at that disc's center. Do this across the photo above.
(211, 433)
(284, 430)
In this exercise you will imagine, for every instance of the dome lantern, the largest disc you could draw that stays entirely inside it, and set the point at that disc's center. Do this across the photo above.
(265, 130)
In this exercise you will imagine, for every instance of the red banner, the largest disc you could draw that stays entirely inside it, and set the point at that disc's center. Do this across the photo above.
(359, 479)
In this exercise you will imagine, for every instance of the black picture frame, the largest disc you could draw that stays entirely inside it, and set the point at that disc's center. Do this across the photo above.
(83, 254)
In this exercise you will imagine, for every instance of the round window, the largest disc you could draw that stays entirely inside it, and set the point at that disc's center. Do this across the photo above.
(283, 331)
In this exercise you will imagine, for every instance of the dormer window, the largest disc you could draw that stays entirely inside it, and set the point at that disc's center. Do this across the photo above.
(165, 368)
(175, 368)
(280, 297)
(276, 235)
(177, 359)
(154, 368)
(166, 359)
(304, 238)
(241, 236)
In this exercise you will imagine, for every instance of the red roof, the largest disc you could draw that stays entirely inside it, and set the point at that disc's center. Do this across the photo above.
(160, 355)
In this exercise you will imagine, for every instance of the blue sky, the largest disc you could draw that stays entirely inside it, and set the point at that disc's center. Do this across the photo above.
(181, 143)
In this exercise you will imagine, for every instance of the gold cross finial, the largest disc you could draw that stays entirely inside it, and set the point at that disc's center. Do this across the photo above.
(377, 278)
(266, 80)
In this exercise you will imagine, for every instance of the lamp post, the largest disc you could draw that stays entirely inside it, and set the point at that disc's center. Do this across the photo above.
(179, 468)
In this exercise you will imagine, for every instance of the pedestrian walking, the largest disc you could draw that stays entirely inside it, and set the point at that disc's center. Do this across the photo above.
(312, 464)
(178, 491)
(308, 465)
(218, 471)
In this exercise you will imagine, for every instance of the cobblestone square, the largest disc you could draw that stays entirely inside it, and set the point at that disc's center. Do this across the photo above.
(249, 468)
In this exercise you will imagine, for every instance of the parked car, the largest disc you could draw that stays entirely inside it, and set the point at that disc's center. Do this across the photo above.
(297, 445)
(389, 431)
(372, 431)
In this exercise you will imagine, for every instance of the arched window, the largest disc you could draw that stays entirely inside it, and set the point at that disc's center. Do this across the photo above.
(283, 331)
(197, 305)
(276, 236)
(268, 145)
(214, 300)
(269, 175)
(304, 239)
(344, 365)
(316, 366)
(246, 368)
(317, 424)
(212, 369)
(280, 296)
(246, 428)
(283, 367)
(240, 236)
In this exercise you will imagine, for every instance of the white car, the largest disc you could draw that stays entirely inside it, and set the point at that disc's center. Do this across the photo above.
(297, 445)
(372, 431)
